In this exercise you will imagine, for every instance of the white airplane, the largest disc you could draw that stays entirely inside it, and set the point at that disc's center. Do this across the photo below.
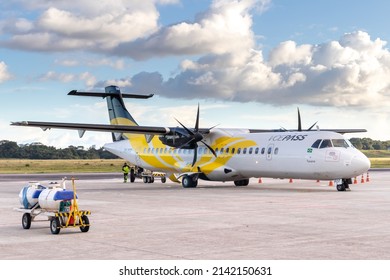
(219, 154)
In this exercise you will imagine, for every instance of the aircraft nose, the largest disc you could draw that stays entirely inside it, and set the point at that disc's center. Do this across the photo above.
(362, 163)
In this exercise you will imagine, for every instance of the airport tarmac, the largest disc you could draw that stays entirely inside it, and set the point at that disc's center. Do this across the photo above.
(272, 220)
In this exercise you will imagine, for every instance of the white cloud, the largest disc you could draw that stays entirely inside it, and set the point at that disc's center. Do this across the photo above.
(4, 74)
(224, 28)
(89, 79)
(86, 24)
(352, 71)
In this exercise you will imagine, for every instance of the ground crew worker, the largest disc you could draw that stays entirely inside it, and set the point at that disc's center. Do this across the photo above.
(126, 170)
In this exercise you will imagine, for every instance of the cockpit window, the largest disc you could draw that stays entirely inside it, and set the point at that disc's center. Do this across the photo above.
(316, 144)
(326, 143)
(341, 143)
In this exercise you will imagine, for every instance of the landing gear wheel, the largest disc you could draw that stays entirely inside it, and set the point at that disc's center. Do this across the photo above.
(189, 182)
(340, 188)
(145, 179)
(55, 226)
(85, 221)
(344, 185)
(241, 183)
(26, 221)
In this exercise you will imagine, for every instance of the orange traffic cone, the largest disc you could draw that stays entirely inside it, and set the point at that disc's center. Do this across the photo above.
(291, 180)
(368, 178)
(318, 181)
(355, 181)
(362, 180)
(331, 184)
(260, 181)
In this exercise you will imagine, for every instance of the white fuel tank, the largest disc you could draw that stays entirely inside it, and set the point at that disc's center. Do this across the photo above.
(51, 198)
(28, 196)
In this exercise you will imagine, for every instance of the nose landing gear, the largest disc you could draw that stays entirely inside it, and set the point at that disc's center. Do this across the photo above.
(342, 185)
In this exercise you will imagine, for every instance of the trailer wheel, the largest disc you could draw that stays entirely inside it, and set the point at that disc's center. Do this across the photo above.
(26, 220)
(152, 179)
(85, 221)
(145, 179)
(163, 179)
(55, 226)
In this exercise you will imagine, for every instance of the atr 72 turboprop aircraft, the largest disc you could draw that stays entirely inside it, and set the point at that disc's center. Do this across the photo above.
(219, 154)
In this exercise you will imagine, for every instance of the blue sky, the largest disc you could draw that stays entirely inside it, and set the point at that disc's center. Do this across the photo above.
(248, 64)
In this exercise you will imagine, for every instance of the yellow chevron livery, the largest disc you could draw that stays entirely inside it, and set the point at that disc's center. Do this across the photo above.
(223, 154)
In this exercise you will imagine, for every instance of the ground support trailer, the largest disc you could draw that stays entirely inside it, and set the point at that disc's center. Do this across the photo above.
(58, 220)
(71, 217)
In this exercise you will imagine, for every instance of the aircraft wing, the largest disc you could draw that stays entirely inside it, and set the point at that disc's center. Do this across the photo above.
(341, 131)
(97, 127)
(348, 130)
(152, 130)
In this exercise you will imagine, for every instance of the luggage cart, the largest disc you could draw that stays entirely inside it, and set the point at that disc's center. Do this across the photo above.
(73, 217)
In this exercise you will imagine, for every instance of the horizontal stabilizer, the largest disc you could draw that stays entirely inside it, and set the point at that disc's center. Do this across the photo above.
(104, 94)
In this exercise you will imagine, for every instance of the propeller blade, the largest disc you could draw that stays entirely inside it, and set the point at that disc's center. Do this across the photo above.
(195, 155)
(185, 144)
(189, 131)
(197, 120)
(299, 121)
(312, 126)
(211, 149)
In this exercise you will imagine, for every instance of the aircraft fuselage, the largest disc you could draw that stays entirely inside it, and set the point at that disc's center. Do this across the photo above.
(321, 155)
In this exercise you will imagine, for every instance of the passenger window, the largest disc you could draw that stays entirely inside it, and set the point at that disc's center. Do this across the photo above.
(269, 150)
(238, 151)
(216, 150)
(257, 150)
(221, 151)
(227, 150)
(148, 150)
(244, 151)
(250, 151)
(262, 151)
(316, 144)
(276, 151)
(326, 143)
(233, 150)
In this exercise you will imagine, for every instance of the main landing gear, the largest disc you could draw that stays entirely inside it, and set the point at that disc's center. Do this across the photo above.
(342, 185)
(189, 181)
(241, 183)
(192, 181)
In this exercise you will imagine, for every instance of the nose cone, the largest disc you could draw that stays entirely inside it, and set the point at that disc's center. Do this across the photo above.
(362, 163)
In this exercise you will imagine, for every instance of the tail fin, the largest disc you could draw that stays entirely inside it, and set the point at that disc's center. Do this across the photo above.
(116, 107)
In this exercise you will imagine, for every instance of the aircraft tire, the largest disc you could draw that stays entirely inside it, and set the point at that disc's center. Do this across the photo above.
(241, 183)
(187, 182)
(145, 179)
(55, 226)
(152, 179)
(341, 187)
(26, 221)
